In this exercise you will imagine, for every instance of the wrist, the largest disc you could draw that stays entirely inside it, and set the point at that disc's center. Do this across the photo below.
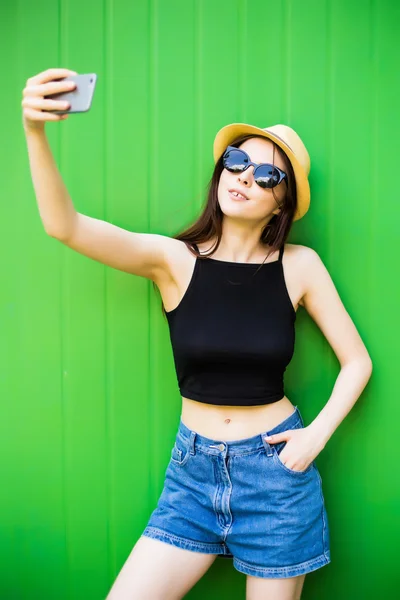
(34, 131)
(320, 436)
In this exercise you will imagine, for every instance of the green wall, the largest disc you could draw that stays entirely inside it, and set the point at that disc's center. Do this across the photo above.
(89, 400)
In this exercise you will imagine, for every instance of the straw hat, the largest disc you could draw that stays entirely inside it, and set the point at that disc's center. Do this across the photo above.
(287, 139)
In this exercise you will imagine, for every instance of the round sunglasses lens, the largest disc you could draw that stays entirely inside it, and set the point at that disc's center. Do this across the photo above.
(235, 161)
(266, 177)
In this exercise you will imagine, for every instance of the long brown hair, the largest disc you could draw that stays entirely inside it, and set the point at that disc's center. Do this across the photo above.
(209, 224)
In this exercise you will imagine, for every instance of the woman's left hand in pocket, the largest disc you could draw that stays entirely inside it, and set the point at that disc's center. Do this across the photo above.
(300, 450)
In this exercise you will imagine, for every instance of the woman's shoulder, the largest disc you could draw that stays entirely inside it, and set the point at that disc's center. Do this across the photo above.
(303, 254)
(302, 261)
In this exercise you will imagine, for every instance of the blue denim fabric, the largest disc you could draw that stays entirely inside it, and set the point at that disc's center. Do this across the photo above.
(238, 500)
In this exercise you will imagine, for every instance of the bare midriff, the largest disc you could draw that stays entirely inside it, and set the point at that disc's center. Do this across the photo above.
(227, 423)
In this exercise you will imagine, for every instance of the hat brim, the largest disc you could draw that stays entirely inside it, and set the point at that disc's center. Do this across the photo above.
(227, 134)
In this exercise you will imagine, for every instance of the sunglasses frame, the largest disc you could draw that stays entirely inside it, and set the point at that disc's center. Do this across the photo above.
(282, 174)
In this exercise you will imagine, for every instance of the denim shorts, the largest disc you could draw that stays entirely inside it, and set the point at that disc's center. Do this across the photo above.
(238, 500)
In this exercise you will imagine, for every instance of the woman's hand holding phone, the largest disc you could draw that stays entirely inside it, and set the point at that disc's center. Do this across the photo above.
(36, 108)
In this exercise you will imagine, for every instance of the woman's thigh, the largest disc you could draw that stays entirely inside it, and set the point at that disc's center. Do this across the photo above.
(258, 588)
(160, 571)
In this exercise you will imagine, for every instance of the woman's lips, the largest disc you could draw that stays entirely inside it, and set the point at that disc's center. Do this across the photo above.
(237, 198)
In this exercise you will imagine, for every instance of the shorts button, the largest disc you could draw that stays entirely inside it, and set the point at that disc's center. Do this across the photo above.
(221, 447)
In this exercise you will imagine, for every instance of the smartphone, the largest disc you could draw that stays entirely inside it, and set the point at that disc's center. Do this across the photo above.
(80, 98)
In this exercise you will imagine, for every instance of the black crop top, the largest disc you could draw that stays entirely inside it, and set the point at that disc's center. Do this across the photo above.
(233, 333)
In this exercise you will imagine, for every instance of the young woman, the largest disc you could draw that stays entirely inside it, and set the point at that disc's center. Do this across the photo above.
(242, 481)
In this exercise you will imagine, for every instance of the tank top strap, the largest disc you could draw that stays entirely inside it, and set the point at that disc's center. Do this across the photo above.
(195, 246)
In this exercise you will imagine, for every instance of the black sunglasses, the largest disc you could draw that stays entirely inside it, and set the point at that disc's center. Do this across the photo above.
(265, 175)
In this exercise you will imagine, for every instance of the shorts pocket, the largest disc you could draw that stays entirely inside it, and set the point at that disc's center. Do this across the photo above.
(277, 449)
(180, 451)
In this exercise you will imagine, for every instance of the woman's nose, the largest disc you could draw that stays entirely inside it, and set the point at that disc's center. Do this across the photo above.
(247, 175)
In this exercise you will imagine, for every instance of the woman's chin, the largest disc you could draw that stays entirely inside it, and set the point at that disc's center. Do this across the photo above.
(234, 207)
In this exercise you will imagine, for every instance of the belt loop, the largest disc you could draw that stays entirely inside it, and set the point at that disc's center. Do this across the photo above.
(267, 446)
(191, 442)
(300, 415)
